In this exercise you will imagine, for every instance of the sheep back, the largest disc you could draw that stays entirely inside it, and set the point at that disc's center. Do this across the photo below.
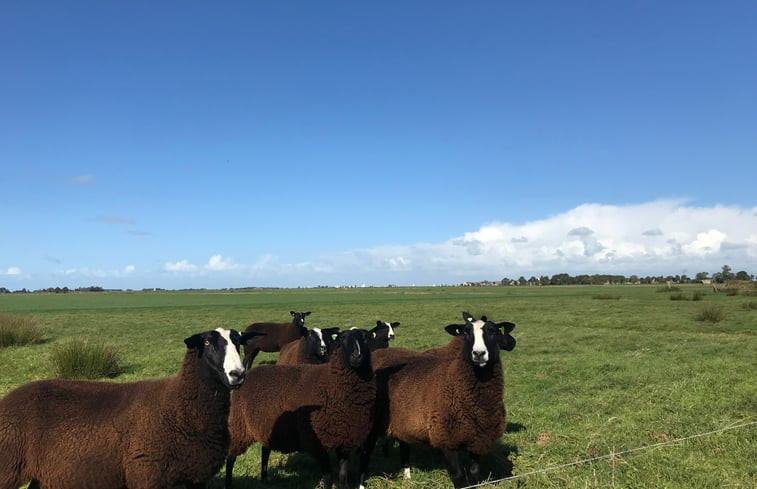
(291, 408)
(146, 437)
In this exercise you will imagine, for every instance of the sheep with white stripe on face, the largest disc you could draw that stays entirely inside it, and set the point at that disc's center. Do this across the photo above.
(150, 434)
(313, 348)
(450, 397)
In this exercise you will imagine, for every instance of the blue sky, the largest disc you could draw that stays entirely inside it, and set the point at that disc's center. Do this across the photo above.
(198, 144)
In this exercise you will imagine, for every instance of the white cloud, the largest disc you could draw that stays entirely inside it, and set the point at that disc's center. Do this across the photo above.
(179, 266)
(217, 263)
(129, 269)
(653, 238)
(13, 271)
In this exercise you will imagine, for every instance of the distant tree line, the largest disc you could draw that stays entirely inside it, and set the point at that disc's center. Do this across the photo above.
(725, 275)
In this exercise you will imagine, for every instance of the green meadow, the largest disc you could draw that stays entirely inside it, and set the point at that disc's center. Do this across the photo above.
(609, 386)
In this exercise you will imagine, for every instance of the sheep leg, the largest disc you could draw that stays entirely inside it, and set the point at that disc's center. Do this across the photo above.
(229, 469)
(405, 459)
(344, 458)
(365, 457)
(249, 356)
(322, 458)
(265, 452)
(454, 469)
(34, 484)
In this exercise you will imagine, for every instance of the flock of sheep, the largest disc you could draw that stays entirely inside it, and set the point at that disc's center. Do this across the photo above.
(330, 391)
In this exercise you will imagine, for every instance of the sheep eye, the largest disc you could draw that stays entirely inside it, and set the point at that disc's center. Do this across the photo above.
(207, 342)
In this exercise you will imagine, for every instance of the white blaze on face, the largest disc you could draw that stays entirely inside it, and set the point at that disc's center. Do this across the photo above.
(231, 360)
(479, 352)
(390, 335)
(322, 343)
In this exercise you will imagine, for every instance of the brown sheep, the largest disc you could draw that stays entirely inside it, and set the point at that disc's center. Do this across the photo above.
(149, 434)
(314, 348)
(309, 408)
(276, 336)
(450, 398)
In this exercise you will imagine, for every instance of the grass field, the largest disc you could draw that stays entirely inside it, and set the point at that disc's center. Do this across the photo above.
(597, 371)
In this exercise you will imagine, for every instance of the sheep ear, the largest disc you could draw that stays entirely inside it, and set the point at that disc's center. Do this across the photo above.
(505, 342)
(194, 341)
(292, 313)
(467, 317)
(330, 331)
(395, 324)
(455, 329)
(306, 313)
(506, 326)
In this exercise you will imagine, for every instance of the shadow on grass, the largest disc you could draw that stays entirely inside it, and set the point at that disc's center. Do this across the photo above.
(494, 465)
(285, 471)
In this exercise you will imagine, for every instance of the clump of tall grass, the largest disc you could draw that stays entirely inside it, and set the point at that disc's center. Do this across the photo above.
(666, 288)
(713, 314)
(698, 295)
(731, 292)
(750, 305)
(677, 297)
(606, 297)
(18, 330)
(80, 359)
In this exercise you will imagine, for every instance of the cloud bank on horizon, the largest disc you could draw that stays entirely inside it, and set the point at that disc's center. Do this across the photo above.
(655, 238)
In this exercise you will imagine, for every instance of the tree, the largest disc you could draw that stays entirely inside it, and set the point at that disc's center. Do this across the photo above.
(742, 275)
(701, 276)
(727, 273)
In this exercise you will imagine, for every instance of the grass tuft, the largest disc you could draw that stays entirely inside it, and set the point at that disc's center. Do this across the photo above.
(750, 305)
(666, 288)
(79, 359)
(713, 314)
(606, 297)
(18, 330)
(677, 297)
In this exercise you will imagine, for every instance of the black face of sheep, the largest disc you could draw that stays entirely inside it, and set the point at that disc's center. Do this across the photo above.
(483, 339)
(219, 349)
(384, 331)
(298, 319)
(320, 341)
(353, 345)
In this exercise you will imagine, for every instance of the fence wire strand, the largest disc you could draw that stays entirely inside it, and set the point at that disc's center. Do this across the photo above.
(611, 455)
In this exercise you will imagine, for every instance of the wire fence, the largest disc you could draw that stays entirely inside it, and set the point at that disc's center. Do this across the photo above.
(612, 455)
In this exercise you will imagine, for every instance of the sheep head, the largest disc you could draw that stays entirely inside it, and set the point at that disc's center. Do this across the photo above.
(483, 339)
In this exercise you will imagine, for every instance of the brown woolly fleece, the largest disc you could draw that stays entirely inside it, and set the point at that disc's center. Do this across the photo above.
(89, 434)
(436, 398)
(310, 408)
(296, 353)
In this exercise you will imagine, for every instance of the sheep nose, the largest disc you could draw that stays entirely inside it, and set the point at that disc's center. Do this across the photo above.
(479, 356)
(236, 376)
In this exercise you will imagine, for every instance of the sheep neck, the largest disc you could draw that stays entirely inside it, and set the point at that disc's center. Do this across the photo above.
(194, 383)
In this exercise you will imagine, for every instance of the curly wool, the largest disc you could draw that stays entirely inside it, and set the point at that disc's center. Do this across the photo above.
(102, 434)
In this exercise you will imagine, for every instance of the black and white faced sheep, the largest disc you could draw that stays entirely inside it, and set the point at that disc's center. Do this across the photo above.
(308, 408)
(382, 334)
(450, 398)
(313, 348)
(276, 336)
(150, 434)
